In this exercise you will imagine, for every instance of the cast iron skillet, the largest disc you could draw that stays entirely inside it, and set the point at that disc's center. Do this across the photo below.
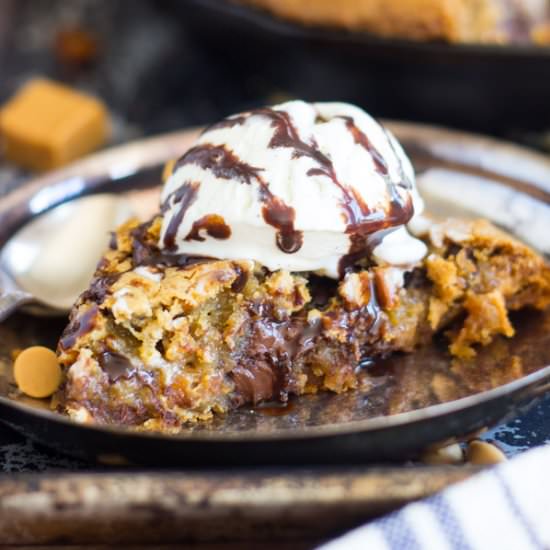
(411, 401)
(489, 88)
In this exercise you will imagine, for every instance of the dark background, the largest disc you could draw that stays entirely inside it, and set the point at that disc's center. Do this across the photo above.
(166, 64)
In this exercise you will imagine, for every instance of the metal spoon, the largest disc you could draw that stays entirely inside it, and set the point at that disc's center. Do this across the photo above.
(51, 259)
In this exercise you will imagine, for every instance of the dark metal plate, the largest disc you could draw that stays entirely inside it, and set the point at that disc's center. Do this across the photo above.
(413, 400)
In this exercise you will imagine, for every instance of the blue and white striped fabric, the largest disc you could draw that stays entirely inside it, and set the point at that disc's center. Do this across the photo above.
(505, 507)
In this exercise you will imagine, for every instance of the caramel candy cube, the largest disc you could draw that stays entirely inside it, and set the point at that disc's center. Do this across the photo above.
(46, 125)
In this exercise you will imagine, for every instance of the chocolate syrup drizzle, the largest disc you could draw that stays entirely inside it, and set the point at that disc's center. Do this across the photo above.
(221, 161)
(213, 224)
(361, 139)
(228, 122)
(145, 253)
(361, 222)
(281, 216)
(287, 136)
(359, 217)
(79, 325)
(185, 196)
(225, 164)
(99, 288)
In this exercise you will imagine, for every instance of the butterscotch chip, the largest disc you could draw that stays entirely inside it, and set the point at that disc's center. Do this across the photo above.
(37, 372)
(483, 453)
(47, 125)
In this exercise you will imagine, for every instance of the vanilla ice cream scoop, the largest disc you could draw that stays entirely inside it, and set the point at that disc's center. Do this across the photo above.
(299, 186)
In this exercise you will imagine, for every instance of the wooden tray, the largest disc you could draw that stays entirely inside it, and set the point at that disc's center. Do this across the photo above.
(306, 505)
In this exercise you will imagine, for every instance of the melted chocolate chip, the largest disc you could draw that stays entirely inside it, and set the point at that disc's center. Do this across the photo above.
(78, 327)
(185, 196)
(159, 346)
(321, 289)
(213, 224)
(266, 365)
(141, 248)
(116, 366)
(254, 382)
(306, 336)
(265, 371)
(240, 282)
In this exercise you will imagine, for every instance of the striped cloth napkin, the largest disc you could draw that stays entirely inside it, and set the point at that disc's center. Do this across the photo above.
(505, 507)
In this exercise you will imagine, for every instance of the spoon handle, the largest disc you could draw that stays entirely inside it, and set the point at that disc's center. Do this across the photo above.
(11, 298)
(10, 301)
